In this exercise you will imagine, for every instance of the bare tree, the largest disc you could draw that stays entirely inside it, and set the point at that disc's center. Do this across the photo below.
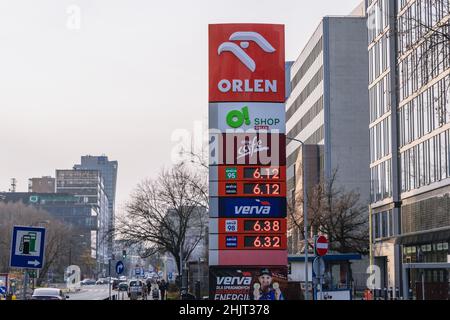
(167, 214)
(335, 213)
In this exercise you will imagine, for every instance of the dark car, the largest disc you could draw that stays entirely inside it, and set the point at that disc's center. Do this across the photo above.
(123, 286)
(48, 294)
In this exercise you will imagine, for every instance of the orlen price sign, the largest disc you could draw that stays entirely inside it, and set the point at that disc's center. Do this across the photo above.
(246, 63)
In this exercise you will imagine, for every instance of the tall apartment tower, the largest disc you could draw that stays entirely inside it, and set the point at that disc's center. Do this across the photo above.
(328, 109)
(409, 145)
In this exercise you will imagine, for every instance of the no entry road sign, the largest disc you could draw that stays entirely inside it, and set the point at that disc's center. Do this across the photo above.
(321, 246)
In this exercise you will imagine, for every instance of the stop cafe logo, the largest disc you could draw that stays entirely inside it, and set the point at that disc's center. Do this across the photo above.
(246, 63)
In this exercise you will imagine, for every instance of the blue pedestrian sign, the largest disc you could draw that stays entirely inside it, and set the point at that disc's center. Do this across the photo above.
(27, 247)
(119, 267)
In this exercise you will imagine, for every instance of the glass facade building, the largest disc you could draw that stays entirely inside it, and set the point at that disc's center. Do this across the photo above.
(409, 82)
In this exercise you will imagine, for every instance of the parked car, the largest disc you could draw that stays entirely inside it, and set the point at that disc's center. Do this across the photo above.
(87, 282)
(48, 294)
(135, 288)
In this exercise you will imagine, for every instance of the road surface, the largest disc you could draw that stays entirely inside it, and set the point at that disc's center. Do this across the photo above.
(95, 292)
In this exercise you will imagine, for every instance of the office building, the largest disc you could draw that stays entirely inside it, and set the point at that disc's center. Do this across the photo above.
(328, 110)
(42, 185)
(88, 187)
(108, 170)
(409, 145)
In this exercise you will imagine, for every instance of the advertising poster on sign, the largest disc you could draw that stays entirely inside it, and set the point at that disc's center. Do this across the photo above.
(256, 284)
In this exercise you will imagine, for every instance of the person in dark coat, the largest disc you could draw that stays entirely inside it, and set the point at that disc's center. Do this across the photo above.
(163, 289)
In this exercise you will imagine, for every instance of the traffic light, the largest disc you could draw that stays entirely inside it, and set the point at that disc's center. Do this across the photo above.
(124, 254)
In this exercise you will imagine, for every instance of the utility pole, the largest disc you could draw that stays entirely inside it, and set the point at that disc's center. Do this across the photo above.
(25, 285)
(13, 185)
(109, 282)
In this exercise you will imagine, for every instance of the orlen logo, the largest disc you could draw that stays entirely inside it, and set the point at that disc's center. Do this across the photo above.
(238, 50)
(263, 208)
(246, 62)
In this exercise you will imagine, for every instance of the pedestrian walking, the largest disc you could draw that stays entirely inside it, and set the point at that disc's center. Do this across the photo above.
(163, 288)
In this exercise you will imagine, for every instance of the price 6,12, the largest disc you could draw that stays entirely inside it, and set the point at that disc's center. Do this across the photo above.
(262, 188)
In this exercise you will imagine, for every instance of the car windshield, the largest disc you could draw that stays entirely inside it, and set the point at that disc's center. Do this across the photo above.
(135, 284)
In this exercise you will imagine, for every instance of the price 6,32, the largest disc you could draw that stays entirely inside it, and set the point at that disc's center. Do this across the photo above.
(263, 242)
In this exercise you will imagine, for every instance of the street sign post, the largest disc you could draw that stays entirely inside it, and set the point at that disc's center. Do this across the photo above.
(319, 267)
(27, 247)
(321, 246)
(321, 249)
(27, 251)
(120, 267)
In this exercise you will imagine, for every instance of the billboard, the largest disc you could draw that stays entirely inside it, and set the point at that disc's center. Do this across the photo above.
(247, 159)
(269, 283)
(246, 63)
(247, 117)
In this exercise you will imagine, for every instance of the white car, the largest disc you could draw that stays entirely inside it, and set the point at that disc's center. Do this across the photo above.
(135, 287)
(48, 294)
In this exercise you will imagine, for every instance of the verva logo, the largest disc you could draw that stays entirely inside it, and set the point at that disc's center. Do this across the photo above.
(246, 63)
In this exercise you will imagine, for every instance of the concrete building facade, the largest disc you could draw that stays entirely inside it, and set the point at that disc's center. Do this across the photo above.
(328, 109)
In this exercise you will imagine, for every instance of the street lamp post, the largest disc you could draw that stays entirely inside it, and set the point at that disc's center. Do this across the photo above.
(305, 216)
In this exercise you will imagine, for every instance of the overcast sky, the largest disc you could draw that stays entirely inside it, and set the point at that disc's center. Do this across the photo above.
(133, 73)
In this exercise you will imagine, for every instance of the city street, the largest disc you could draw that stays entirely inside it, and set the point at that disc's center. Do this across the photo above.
(99, 292)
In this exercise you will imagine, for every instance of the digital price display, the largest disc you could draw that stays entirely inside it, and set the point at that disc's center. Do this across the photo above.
(262, 242)
(252, 226)
(263, 225)
(253, 242)
(252, 173)
(262, 189)
(262, 173)
(250, 189)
